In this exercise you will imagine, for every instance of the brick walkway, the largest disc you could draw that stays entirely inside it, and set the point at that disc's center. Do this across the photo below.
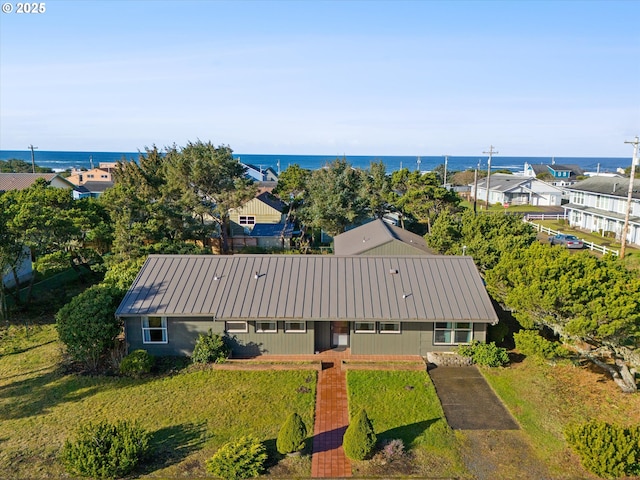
(332, 418)
(332, 408)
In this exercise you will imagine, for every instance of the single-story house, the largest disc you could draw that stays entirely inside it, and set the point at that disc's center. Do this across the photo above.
(21, 181)
(91, 189)
(518, 190)
(302, 304)
(380, 238)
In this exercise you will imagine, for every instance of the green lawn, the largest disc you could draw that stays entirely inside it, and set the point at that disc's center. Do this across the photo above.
(404, 405)
(190, 414)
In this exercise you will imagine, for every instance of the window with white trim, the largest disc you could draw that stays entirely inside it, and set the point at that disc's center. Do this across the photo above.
(389, 327)
(154, 330)
(247, 220)
(266, 327)
(236, 327)
(365, 327)
(451, 333)
(295, 327)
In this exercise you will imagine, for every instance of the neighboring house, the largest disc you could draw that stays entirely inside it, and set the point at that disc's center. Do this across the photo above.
(561, 175)
(91, 189)
(599, 204)
(518, 190)
(24, 271)
(81, 177)
(265, 208)
(21, 181)
(379, 238)
(260, 174)
(303, 304)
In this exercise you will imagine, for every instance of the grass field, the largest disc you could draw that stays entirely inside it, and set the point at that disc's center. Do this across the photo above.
(190, 414)
(404, 405)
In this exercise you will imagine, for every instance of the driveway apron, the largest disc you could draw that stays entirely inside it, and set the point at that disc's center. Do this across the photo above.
(332, 418)
(468, 401)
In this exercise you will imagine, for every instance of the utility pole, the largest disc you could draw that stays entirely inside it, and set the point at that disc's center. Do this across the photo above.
(33, 161)
(475, 189)
(418, 164)
(490, 153)
(625, 228)
(446, 160)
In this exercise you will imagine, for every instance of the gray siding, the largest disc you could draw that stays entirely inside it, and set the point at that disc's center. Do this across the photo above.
(252, 343)
(181, 334)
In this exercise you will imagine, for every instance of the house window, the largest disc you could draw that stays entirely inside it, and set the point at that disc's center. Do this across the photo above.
(266, 327)
(236, 327)
(90, 175)
(295, 327)
(389, 327)
(449, 333)
(154, 330)
(247, 220)
(365, 327)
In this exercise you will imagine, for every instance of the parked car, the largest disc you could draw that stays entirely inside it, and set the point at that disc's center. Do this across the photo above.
(569, 241)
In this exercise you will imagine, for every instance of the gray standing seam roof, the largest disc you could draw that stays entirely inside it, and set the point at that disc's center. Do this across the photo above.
(374, 234)
(310, 287)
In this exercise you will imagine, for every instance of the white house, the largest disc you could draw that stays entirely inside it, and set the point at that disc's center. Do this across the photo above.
(518, 190)
(599, 204)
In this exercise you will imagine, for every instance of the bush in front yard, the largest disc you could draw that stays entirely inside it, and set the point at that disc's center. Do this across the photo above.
(531, 343)
(292, 435)
(359, 439)
(487, 354)
(609, 451)
(243, 458)
(210, 348)
(105, 450)
(137, 363)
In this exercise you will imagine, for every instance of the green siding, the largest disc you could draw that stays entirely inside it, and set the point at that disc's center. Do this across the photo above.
(405, 343)
(252, 343)
(181, 334)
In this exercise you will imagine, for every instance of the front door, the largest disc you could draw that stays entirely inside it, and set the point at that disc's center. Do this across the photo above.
(339, 334)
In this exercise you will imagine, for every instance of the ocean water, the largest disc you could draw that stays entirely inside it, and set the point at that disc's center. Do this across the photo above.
(63, 160)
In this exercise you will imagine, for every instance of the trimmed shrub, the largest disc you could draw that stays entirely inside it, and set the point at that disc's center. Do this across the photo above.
(609, 451)
(210, 348)
(137, 363)
(292, 435)
(243, 458)
(531, 343)
(105, 450)
(487, 354)
(359, 439)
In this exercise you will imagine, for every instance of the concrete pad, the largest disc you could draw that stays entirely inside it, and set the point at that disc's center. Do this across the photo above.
(468, 401)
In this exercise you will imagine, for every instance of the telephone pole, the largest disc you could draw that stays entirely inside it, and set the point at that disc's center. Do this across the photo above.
(625, 228)
(33, 161)
(446, 160)
(490, 153)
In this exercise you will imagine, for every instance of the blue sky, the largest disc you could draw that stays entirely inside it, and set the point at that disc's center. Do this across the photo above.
(533, 78)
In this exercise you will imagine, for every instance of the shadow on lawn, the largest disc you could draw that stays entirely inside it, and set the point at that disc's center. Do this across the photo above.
(173, 444)
(407, 433)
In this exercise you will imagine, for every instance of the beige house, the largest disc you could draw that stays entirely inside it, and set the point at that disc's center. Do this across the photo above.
(265, 208)
(80, 177)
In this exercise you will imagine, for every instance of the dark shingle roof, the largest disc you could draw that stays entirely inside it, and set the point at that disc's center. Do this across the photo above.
(271, 200)
(310, 287)
(615, 186)
(272, 230)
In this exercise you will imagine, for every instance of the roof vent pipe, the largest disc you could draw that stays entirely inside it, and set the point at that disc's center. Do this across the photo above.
(393, 271)
(615, 187)
(256, 275)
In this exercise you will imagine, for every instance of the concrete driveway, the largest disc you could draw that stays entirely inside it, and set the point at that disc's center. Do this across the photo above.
(468, 401)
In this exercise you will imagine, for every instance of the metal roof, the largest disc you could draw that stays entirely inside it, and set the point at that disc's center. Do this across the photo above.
(310, 287)
(373, 234)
